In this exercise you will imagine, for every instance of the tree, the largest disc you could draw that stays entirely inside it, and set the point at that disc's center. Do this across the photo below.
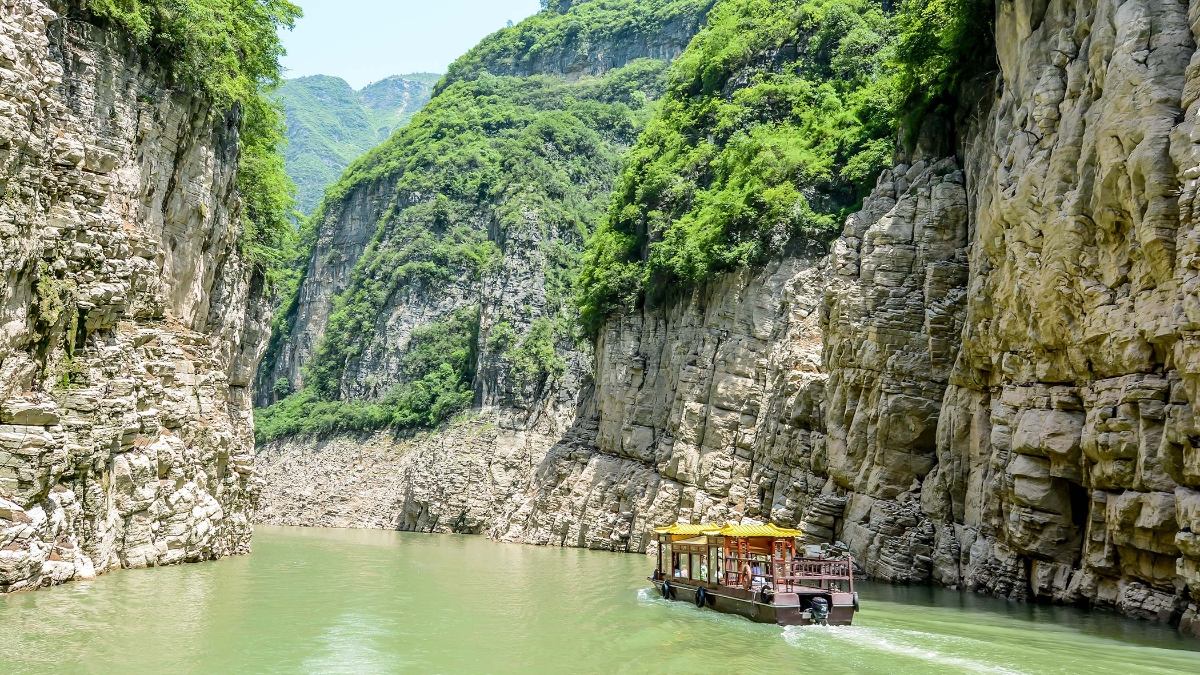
(282, 388)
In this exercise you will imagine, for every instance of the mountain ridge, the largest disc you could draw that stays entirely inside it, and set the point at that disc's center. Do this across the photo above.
(331, 124)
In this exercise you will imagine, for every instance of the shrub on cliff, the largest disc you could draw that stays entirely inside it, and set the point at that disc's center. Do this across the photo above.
(436, 371)
(777, 117)
(941, 44)
(229, 51)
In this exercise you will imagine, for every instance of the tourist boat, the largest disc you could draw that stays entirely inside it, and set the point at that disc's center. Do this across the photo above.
(756, 571)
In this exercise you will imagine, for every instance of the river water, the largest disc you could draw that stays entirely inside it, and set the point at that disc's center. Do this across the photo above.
(366, 602)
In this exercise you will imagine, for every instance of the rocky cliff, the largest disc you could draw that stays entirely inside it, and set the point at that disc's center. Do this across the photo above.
(578, 38)
(530, 161)
(987, 383)
(131, 325)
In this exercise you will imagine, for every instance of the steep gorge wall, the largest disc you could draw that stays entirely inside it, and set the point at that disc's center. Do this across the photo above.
(1008, 350)
(341, 237)
(578, 56)
(988, 383)
(1067, 465)
(708, 409)
(131, 326)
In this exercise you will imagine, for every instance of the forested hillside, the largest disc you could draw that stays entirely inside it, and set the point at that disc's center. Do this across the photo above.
(467, 226)
(329, 124)
(777, 120)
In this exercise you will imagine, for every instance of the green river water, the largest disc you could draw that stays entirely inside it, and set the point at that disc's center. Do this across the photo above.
(366, 602)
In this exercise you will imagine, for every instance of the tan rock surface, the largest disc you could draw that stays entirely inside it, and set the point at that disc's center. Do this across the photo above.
(988, 383)
(130, 328)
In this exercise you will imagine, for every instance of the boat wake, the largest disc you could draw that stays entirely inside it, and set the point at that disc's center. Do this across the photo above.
(649, 596)
(897, 642)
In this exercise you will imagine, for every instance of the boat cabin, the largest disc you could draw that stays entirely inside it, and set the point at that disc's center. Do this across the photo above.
(745, 568)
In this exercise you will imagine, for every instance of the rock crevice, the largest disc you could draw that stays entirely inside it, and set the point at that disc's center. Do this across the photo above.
(131, 325)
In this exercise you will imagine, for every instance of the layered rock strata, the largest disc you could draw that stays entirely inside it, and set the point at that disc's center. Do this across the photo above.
(711, 409)
(131, 326)
(581, 55)
(988, 383)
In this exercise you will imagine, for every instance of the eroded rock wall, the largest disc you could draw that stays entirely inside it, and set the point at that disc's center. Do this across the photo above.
(130, 327)
(581, 55)
(1077, 370)
(710, 408)
(987, 384)
(342, 235)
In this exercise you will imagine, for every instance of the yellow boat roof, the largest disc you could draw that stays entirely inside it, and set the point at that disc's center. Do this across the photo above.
(768, 530)
(685, 529)
(728, 530)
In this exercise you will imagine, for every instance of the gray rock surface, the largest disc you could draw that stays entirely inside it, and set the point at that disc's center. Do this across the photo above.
(988, 383)
(130, 327)
(708, 409)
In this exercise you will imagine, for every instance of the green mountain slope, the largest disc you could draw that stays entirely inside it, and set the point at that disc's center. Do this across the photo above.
(776, 119)
(330, 124)
(484, 203)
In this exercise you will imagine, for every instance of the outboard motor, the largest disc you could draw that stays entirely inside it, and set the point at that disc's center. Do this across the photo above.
(820, 611)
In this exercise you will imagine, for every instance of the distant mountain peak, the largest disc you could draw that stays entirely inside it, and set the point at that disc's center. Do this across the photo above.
(330, 124)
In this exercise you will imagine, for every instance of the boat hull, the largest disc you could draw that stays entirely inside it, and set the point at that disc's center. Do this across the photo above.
(790, 611)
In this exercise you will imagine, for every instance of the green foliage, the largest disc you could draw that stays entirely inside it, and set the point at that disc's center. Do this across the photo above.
(777, 116)
(493, 149)
(268, 237)
(438, 367)
(534, 361)
(484, 154)
(229, 51)
(564, 25)
(226, 48)
(450, 341)
(330, 124)
(282, 388)
(941, 44)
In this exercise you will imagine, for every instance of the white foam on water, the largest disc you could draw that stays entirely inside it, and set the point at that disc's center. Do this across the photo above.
(653, 596)
(649, 596)
(893, 642)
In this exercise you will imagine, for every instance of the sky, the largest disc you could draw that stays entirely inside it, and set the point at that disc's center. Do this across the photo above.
(363, 41)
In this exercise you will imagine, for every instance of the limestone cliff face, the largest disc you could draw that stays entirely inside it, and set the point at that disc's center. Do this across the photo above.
(130, 327)
(988, 383)
(708, 409)
(341, 238)
(1067, 459)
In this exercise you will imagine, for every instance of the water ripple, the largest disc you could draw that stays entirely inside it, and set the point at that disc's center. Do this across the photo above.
(904, 643)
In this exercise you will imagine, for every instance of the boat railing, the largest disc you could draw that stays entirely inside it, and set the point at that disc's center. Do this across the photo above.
(785, 575)
(823, 574)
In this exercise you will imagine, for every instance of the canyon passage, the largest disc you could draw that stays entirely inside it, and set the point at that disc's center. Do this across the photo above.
(919, 279)
(371, 602)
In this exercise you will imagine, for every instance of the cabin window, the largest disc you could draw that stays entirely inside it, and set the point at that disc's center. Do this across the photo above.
(700, 567)
(719, 568)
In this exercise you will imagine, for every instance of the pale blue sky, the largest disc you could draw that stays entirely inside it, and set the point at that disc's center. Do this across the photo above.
(363, 41)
